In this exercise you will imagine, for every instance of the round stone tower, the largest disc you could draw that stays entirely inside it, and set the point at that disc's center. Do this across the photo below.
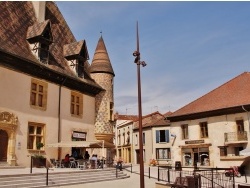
(102, 72)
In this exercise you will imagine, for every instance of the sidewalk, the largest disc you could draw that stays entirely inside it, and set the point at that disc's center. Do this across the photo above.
(132, 182)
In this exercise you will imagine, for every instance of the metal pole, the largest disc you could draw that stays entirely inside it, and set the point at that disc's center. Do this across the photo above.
(149, 172)
(139, 63)
(158, 173)
(47, 177)
(168, 175)
(116, 173)
(31, 157)
(140, 129)
(212, 178)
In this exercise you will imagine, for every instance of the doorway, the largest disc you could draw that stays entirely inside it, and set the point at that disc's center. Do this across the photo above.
(137, 156)
(196, 158)
(4, 145)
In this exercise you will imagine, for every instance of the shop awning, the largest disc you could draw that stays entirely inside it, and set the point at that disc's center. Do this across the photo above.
(84, 144)
(245, 152)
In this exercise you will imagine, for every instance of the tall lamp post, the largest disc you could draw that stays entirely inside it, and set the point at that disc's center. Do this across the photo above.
(136, 54)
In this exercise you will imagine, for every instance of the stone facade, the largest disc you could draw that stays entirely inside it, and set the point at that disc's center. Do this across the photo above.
(103, 122)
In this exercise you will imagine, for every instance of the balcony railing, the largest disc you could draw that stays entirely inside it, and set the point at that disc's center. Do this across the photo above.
(236, 136)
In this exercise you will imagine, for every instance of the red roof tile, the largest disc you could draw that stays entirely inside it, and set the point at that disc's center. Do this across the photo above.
(233, 93)
(153, 119)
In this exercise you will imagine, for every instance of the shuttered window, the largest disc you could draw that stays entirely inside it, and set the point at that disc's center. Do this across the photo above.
(162, 136)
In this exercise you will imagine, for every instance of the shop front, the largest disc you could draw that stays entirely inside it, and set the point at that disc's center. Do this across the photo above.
(195, 152)
(78, 152)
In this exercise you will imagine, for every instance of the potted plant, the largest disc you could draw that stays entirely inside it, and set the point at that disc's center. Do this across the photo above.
(153, 162)
(39, 160)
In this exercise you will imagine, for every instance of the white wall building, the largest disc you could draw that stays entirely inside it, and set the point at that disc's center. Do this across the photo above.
(214, 129)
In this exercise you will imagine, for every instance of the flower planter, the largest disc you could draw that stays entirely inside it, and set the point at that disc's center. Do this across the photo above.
(39, 162)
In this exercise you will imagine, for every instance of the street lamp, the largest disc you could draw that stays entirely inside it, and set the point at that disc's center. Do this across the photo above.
(136, 54)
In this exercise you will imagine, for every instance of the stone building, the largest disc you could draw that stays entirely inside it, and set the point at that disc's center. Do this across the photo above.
(102, 72)
(213, 130)
(49, 91)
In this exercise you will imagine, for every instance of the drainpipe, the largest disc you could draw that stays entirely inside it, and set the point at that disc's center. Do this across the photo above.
(59, 118)
(247, 117)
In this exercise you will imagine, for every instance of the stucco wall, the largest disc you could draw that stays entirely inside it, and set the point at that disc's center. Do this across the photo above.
(15, 98)
(217, 126)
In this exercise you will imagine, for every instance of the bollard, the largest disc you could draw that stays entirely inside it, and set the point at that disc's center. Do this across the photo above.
(31, 159)
(47, 176)
(116, 173)
(168, 175)
(233, 181)
(212, 179)
(149, 172)
(158, 173)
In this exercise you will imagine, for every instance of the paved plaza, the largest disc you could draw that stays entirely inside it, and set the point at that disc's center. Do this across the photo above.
(132, 182)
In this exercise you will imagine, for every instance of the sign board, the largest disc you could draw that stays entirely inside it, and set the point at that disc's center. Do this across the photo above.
(79, 135)
(194, 142)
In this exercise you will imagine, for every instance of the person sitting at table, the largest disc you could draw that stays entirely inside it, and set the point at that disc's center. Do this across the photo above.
(86, 155)
(80, 156)
(93, 161)
(94, 157)
(66, 160)
(75, 154)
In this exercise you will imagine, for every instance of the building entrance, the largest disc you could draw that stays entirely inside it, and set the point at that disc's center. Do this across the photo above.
(4, 145)
(193, 156)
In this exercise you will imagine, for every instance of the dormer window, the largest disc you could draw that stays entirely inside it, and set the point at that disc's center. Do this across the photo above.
(77, 54)
(40, 38)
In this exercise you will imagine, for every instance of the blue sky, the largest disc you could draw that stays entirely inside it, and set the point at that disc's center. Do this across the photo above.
(190, 48)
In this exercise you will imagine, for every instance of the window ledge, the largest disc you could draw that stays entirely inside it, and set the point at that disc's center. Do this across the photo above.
(43, 108)
(76, 116)
(229, 158)
(35, 151)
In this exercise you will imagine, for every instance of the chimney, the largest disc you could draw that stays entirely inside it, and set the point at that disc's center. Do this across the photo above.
(39, 7)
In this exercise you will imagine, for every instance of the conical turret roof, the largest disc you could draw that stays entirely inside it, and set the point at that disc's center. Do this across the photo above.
(101, 62)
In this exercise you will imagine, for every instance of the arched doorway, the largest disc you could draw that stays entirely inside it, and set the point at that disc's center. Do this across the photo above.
(4, 145)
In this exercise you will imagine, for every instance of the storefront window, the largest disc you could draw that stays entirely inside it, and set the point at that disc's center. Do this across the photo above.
(187, 157)
(78, 152)
(190, 156)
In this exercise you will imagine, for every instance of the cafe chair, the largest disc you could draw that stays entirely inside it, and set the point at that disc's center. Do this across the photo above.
(81, 164)
(53, 163)
(72, 162)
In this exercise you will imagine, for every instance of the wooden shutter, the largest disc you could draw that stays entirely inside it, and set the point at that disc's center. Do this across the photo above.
(157, 136)
(166, 135)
